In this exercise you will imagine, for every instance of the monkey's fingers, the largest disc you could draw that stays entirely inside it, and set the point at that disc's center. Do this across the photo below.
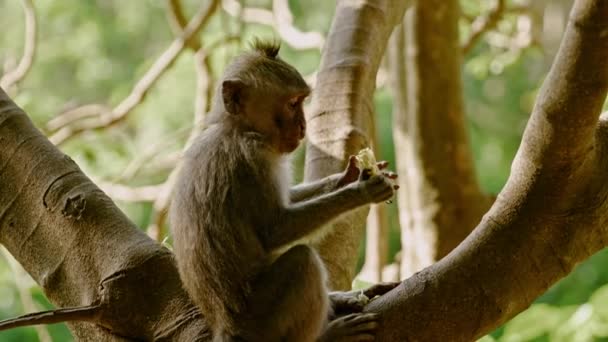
(379, 289)
(390, 174)
(383, 164)
(355, 327)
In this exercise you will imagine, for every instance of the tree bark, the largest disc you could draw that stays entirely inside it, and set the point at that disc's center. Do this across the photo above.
(342, 110)
(551, 215)
(80, 248)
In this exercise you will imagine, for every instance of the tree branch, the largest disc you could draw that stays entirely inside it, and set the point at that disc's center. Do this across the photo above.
(23, 283)
(80, 248)
(12, 77)
(141, 88)
(81, 314)
(281, 19)
(551, 215)
(178, 22)
(340, 117)
(121, 192)
(483, 24)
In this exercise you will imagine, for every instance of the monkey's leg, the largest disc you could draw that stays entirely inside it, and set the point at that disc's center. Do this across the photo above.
(289, 300)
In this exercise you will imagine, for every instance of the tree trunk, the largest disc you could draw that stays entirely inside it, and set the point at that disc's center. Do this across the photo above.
(342, 110)
(441, 201)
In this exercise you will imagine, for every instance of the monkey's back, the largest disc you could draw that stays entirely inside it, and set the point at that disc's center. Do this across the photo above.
(213, 214)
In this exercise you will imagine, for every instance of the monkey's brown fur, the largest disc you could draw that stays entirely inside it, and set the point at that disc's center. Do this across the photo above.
(236, 222)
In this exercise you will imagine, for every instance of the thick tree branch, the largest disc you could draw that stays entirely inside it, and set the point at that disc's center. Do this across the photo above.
(340, 117)
(80, 248)
(143, 86)
(550, 216)
(12, 77)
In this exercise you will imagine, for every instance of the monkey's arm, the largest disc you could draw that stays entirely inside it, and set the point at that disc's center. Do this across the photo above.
(305, 191)
(328, 184)
(301, 219)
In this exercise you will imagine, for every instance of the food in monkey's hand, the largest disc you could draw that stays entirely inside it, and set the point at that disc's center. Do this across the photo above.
(367, 162)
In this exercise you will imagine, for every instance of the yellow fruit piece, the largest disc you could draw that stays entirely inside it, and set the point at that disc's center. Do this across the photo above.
(367, 161)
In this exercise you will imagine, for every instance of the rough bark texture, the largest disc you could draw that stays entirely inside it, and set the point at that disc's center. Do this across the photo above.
(80, 248)
(550, 216)
(441, 201)
(339, 123)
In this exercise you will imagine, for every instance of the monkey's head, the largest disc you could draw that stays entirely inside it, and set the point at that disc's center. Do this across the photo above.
(264, 94)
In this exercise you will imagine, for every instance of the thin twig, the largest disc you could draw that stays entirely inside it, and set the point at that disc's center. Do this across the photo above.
(281, 19)
(77, 113)
(248, 14)
(178, 21)
(151, 152)
(12, 77)
(121, 192)
(140, 90)
(82, 314)
(202, 105)
(21, 281)
(482, 25)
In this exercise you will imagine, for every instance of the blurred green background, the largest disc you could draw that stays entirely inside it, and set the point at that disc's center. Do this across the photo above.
(93, 51)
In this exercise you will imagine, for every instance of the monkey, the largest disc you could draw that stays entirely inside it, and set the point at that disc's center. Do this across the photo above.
(241, 233)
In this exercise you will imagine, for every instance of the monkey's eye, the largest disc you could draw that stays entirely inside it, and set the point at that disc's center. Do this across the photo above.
(293, 103)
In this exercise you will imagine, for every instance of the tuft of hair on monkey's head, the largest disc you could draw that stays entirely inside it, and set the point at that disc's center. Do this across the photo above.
(269, 49)
(261, 66)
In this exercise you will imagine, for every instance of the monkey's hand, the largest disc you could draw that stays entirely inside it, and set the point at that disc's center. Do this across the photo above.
(347, 302)
(352, 172)
(379, 289)
(359, 327)
(376, 189)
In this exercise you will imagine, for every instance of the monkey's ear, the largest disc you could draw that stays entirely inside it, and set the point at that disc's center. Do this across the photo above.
(232, 95)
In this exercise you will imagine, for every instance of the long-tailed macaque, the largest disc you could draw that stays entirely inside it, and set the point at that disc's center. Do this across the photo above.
(240, 231)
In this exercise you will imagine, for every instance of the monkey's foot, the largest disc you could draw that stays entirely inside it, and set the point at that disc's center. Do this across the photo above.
(354, 301)
(359, 327)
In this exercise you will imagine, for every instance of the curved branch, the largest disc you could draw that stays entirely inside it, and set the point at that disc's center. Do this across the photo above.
(142, 87)
(121, 192)
(281, 19)
(78, 113)
(340, 117)
(551, 214)
(178, 22)
(14, 76)
(248, 14)
(482, 25)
